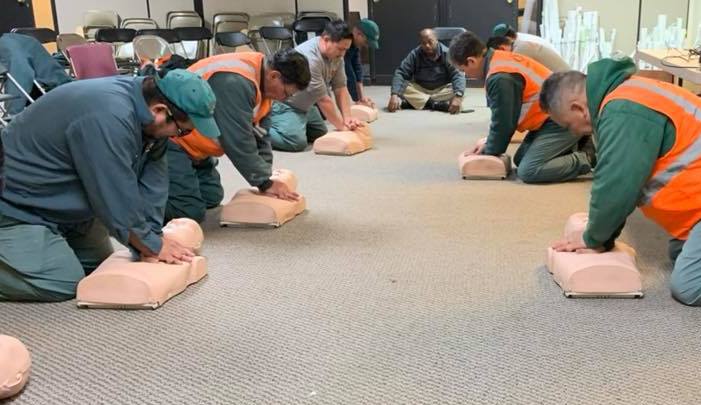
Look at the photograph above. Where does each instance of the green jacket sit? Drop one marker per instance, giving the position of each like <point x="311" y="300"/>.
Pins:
<point x="251" y="154"/>
<point x="629" y="139"/>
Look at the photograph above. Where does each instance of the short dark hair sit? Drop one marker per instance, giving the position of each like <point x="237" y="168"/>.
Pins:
<point x="337" y="31"/>
<point x="153" y="95"/>
<point x="496" y="42"/>
<point x="551" y="91"/>
<point x="293" y="67"/>
<point x="510" y="33"/>
<point x="464" y="46"/>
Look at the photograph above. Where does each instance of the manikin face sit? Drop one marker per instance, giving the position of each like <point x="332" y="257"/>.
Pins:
<point x="185" y="231"/>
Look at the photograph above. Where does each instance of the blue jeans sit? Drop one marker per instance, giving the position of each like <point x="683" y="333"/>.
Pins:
<point x="686" y="276"/>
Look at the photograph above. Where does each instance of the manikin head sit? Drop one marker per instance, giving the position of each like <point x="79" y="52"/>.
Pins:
<point x="285" y="73"/>
<point x="335" y="40"/>
<point x="429" y="43"/>
<point x="179" y="102"/>
<point x="185" y="231"/>
<point x="467" y="54"/>
<point x="564" y="97"/>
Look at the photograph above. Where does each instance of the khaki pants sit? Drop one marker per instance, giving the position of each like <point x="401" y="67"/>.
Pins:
<point x="418" y="96"/>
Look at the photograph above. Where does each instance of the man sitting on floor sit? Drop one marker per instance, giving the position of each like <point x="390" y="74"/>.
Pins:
<point x="296" y="122"/>
<point x="427" y="80"/>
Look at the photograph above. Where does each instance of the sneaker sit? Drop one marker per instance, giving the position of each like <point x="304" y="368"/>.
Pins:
<point x="406" y="106"/>
<point x="437" y="105"/>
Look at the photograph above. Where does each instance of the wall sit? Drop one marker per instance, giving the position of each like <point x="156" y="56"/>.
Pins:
<point x="70" y="12"/>
<point x="619" y="14"/>
<point x="360" y="6"/>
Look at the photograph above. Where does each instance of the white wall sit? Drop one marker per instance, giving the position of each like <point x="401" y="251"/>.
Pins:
<point x="70" y="12"/>
<point x="360" y="6"/>
<point x="619" y="14"/>
<point x="694" y="18"/>
<point x="160" y="8"/>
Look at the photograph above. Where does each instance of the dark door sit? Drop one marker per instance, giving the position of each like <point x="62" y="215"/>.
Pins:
<point x="14" y="14"/>
<point x="400" y="22"/>
<point x="479" y="16"/>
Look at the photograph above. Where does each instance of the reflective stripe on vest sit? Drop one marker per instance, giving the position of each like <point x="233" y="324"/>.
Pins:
<point x="531" y="117"/>
<point x="223" y="65"/>
<point x="693" y="152"/>
<point x="672" y="194"/>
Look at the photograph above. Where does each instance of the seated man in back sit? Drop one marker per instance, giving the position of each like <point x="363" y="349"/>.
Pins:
<point x="504" y="37"/>
<point x="296" y="122"/>
<point x="427" y="80"/>
<point x="245" y="84"/>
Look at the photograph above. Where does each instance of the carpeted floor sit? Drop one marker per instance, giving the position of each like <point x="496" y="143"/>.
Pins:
<point x="402" y="284"/>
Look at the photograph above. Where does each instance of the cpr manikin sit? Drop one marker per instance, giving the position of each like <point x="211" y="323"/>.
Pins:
<point x="484" y="167"/>
<point x="15" y="365"/>
<point x="344" y="143"/>
<point x="363" y="113"/>
<point x="252" y="208"/>
<point x="120" y="282"/>
<point x="609" y="274"/>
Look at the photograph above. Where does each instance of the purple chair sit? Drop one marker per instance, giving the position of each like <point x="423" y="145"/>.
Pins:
<point x="92" y="60"/>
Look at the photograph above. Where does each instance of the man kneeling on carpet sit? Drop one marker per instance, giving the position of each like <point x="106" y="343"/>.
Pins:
<point x="549" y="153"/>
<point x="294" y="124"/>
<point x="245" y="84"/>
<point x="649" y="154"/>
<point x="86" y="162"/>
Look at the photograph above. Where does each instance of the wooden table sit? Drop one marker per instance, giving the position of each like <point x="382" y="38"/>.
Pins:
<point x="678" y="62"/>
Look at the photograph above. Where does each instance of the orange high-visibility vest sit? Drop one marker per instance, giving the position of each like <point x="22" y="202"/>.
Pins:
<point x="672" y="195"/>
<point x="534" y="74"/>
<point x="246" y="64"/>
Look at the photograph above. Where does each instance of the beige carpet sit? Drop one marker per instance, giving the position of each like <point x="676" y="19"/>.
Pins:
<point x="401" y="284"/>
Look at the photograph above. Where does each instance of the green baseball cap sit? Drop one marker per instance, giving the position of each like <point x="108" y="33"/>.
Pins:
<point x="371" y="31"/>
<point x="500" y="30"/>
<point x="192" y="94"/>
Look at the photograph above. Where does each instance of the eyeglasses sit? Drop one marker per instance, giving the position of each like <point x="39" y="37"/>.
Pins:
<point x="181" y="131"/>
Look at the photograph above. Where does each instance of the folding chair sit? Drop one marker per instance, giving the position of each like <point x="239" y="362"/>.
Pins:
<point x="5" y="76"/>
<point x="139" y="23"/>
<point x="229" y="41"/>
<point x="230" y="22"/>
<point x="170" y="36"/>
<point x="309" y="27"/>
<point x="92" y="60"/>
<point x="200" y="36"/>
<point x="282" y="35"/>
<point x="151" y="47"/>
<point x="121" y="41"/>
<point x="43" y="35"/>
<point x="96" y="19"/>
<point x="446" y="34"/>
<point x="181" y="19"/>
